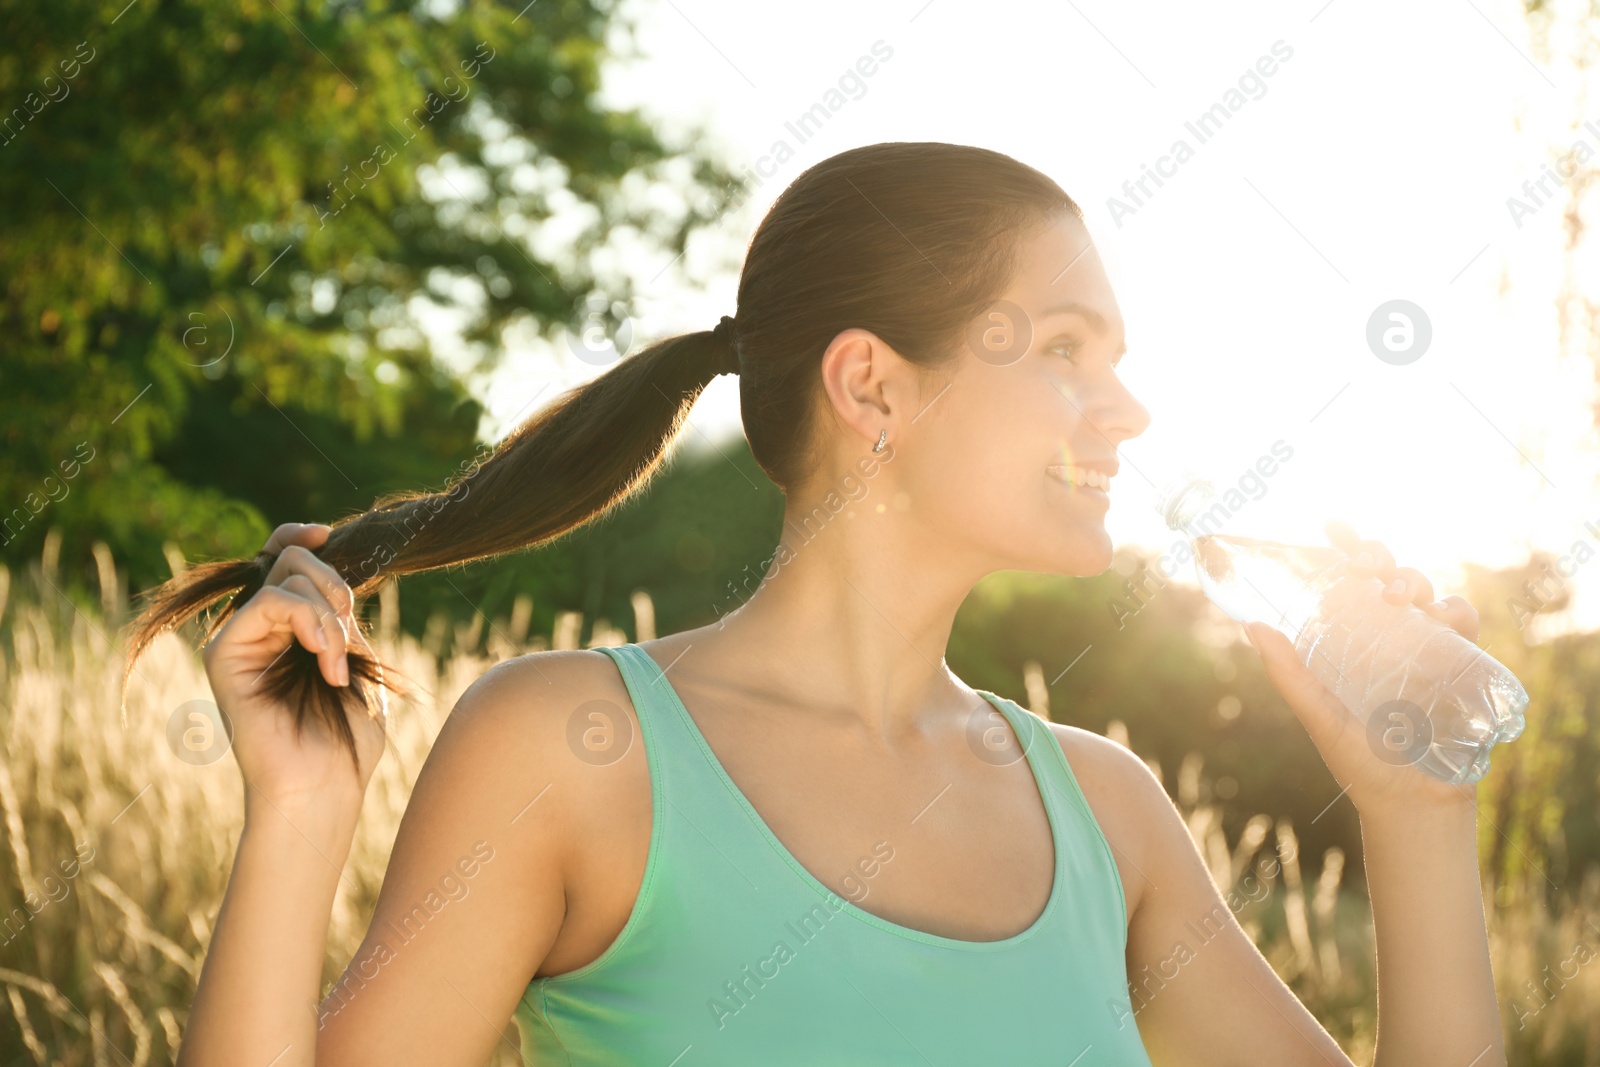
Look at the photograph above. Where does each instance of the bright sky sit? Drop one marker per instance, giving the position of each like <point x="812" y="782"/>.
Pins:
<point x="1373" y="164"/>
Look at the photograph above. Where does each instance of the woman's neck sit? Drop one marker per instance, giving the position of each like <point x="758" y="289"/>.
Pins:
<point x="858" y="609"/>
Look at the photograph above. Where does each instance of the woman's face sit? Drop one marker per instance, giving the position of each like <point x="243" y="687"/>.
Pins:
<point x="1034" y="405"/>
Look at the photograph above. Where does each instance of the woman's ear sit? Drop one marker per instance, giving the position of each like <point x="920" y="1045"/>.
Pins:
<point x="859" y="372"/>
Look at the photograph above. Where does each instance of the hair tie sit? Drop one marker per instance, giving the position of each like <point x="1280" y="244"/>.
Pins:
<point x="724" y="335"/>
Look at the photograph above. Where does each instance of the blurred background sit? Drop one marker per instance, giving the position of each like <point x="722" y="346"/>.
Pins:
<point x="267" y="261"/>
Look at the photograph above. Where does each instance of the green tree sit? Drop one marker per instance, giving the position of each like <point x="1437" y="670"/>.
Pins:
<point x="219" y="218"/>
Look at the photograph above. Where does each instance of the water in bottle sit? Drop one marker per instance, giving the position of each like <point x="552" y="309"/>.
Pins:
<point x="1426" y="695"/>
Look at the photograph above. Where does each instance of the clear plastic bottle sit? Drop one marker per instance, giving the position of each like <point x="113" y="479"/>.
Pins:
<point x="1426" y="695"/>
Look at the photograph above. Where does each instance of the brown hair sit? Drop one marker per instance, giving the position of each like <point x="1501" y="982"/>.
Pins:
<point x="908" y="240"/>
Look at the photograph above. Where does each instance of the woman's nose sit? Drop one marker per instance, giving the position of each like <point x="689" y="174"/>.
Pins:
<point x="1116" y="411"/>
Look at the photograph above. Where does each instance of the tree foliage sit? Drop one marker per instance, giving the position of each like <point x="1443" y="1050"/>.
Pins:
<point x="224" y="223"/>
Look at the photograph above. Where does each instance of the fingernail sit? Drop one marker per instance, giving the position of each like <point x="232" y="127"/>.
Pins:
<point x="1396" y="587"/>
<point x="343" y="670"/>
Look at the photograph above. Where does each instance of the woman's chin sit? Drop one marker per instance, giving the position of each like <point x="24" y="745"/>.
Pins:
<point x="1086" y="554"/>
<point x="1087" y="565"/>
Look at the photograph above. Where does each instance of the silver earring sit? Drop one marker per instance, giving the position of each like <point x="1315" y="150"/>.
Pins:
<point x="883" y="439"/>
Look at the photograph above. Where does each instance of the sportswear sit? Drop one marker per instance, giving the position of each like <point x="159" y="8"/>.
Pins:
<point x="734" y="954"/>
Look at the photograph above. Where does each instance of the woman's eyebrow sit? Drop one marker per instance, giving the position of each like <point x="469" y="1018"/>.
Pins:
<point x="1090" y="315"/>
<point x="1096" y="321"/>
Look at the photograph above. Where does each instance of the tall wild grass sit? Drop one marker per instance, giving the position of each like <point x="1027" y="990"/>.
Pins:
<point x="116" y="852"/>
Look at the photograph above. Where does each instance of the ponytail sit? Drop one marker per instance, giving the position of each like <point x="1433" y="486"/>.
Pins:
<point x="576" y="459"/>
<point x="825" y="258"/>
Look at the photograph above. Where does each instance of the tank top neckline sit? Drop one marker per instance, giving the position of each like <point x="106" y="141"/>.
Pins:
<point x="1031" y="736"/>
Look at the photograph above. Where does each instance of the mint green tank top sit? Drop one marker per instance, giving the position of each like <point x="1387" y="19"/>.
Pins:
<point x="734" y="954"/>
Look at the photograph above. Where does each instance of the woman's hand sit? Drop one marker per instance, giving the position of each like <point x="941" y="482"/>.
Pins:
<point x="1377" y="786"/>
<point x="304" y="600"/>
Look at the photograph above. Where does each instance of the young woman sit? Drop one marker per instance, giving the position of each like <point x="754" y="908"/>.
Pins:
<point x="793" y="835"/>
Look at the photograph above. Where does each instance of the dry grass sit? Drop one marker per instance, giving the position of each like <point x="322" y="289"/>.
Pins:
<point x="124" y="851"/>
<point x="104" y="972"/>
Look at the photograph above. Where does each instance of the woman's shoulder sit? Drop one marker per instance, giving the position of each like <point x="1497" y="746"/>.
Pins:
<point x="503" y="782"/>
<point x="1127" y="799"/>
<point x="537" y="688"/>
<point x="542" y="720"/>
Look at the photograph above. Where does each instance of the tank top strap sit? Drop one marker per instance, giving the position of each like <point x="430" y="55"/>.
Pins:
<point x="1063" y="795"/>
<point x="640" y="673"/>
<point x="652" y="700"/>
<point x="671" y="742"/>
<point x="688" y="783"/>
<point x="701" y="825"/>
<point x="733" y="951"/>
<point x="678" y="769"/>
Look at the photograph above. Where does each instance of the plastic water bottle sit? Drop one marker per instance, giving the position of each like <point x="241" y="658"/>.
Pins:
<point x="1427" y="696"/>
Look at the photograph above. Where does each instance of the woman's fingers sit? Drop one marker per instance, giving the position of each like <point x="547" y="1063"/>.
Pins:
<point x="299" y="570"/>
<point x="330" y="643"/>
<point x="1371" y="557"/>
<point x="296" y="533"/>
<point x="1411" y="586"/>
<point x="1403" y="585"/>
<point x="1362" y="558"/>
<point x="1457" y="613"/>
<point x="1366" y="557"/>
<point x="272" y="613"/>
<point x="297" y="559"/>
<point x="1318" y="710"/>
<point x="1341" y="534"/>
<point x="1408" y="585"/>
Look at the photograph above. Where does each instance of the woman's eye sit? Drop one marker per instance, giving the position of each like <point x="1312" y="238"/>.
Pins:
<point x="1071" y="349"/>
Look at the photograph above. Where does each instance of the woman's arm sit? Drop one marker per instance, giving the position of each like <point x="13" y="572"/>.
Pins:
<point x="472" y="900"/>
<point x="263" y="969"/>
<point x="1201" y="991"/>
<point x="302" y="798"/>
<point x="1436" y="998"/>
<point x="476" y="890"/>
<point x="1202" y="994"/>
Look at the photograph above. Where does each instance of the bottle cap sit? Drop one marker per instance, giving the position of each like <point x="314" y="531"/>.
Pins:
<point x="1184" y="498"/>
